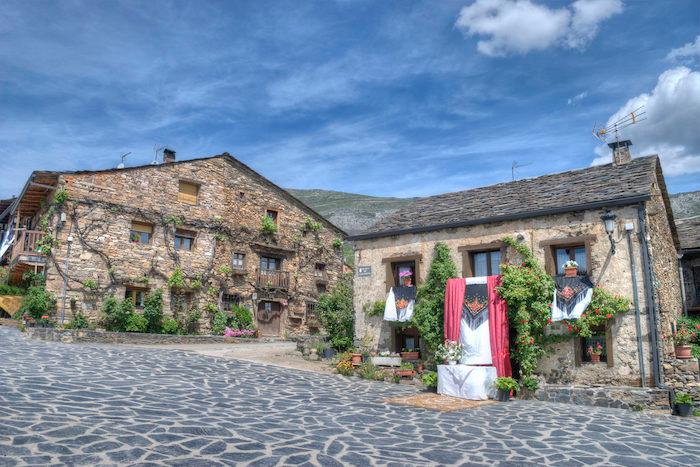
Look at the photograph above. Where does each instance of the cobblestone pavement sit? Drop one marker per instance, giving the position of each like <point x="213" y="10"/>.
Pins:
<point x="89" y="404"/>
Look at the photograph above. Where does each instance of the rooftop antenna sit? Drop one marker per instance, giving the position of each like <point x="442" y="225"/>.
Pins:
<point x="156" y="150"/>
<point x="514" y="166"/>
<point x="602" y="134"/>
<point x="123" y="156"/>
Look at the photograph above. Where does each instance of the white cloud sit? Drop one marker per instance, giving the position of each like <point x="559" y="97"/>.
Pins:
<point x="671" y="127"/>
<point x="577" y="98"/>
<point x="689" y="53"/>
<point x="520" y="26"/>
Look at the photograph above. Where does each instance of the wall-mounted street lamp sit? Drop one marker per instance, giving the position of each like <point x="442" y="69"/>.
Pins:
<point x="608" y="219"/>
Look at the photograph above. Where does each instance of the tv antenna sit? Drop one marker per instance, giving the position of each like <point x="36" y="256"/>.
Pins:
<point x="514" y="166"/>
<point x="123" y="156"/>
<point x="156" y="150"/>
<point x="603" y="133"/>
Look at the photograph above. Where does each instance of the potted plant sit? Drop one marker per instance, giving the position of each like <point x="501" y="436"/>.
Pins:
<point x="387" y="358"/>
<point x="430" y="381"/>
<point x="528" y="386"/>
<point x="406" y="278"/>
<point x="410" y="354"/>
<point x="406" y="369"/>
<point x="505" y="385"/>
<point x="450" y="351"/>
<point x="682" y="338"/>
<point x="595" y="351"/>
<point x="356" y="357"/>
<point x="571" y="268"/>
<point x="683" y="404"/>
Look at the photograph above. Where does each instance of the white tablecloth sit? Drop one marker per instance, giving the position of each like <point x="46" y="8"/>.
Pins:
<point x="467" y="381"/>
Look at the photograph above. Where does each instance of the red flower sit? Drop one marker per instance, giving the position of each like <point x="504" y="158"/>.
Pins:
<point x="549" y="320"/>
<point x="571" y="328"/>
<point x="609" y="316"/>
<point x="532" y="340"/>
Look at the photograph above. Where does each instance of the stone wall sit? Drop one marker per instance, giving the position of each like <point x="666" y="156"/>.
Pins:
<point x="683" y="375"/>
<point x="612" y="272"/>
<point x="226" y="218"/>
<point x="692" y="294"/>
<point x="617" y="397"/>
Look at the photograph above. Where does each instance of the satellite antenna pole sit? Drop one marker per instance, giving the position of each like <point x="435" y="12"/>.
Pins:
<point x="123" y="156"/>
<point x="514" y="166"/>
<point x="156" y="150"/>
<point x="632" y="118"/>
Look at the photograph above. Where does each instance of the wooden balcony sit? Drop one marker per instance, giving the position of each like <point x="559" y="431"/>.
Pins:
<point x="26" y="254"/>
<point x="272" y="279"/>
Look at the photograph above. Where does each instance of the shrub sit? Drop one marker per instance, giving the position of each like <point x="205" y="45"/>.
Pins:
<point x="367" y="370"/>
<point x="190" y="324"/>
<point x="153" y="311"/>
<point x="177" y="279"/>
<point x="219" y="323"/>
<point x="311" y="225"/>
<point x="335" y="313"/>
<point x="60" y="197"/>
<point x="375" y="308"/>
<point x="170" y="326"/>
<point x="429" y="311"/>
<point x="530" y="383"/>
<point x="136" y="323"/>
<point x="337" y="243"/>
<point x="79" y="321"/>
<point x="11" y="290"/>
<point x="345" y="368"/>
<point x="267" y="225"/>
<point x="116" y="314"/>
<point x="506" y="383"/>
<point x="37" y="302"/>
<point x="243" y="317"/>
<point x="430" y="379"/>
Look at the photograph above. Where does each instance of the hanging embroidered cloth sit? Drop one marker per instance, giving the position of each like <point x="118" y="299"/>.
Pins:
<point x="474" y="333"/>
<point x="399" y="304"/>
<point x="476" y="303"/>
<point x="572" y="295"/>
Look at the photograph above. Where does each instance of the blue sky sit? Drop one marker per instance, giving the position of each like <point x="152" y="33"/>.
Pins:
<point x="393" y="98"/>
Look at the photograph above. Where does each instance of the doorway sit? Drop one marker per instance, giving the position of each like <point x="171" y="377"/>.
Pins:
<point x="269" y="318"/>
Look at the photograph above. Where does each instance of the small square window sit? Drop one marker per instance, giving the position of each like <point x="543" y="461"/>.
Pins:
<point x="272" y="214"/>
<point x="140" y="232"/>
<point x="268" y="263"/>
<point x="188" y="192"/>
<point x="576" y="253"/>
<point x="595" y="343"/>
<point x="321" y="288"/>
<point x="229" y="300"/>
<point x="320" y="271"/>
<point x="184" y="240"/>
<point x="238" y="261"/>
<point x="486" y="263"/>
<point x="137" y="296"/>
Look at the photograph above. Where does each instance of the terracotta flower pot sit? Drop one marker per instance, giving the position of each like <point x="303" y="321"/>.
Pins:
<point x="406" y="356"/>
<point x="570" y="272"/>
<point x="683" y="352"/>
<point x="403" y="373"/>
<point x="356" y="358"/>
<point x="595" y="358"/>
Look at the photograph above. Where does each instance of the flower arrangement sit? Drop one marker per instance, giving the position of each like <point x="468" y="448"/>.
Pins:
<point x="571" y="264"/>
<point x="450" y="351"/>
<point x="595" y="350"/>
<point x="228" y="332"/>
<point x="386" y="353"/>
<point x="604" y="306"/>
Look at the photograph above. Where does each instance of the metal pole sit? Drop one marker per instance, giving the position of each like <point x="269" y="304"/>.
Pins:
<point x="637" y="317"/>
<point x="69" y="240"/>
<point x="682" y="278"/>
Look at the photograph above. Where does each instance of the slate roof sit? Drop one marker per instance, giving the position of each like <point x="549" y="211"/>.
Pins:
<point x="589" y="188"/>
<point x="689" y="233"/>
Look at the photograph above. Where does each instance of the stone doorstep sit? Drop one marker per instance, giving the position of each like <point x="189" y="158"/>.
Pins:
<point x="625" y="397"/>
<point x="108" y="337"/>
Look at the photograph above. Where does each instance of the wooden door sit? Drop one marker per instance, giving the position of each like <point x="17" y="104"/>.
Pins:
<point x="269" y="317"/>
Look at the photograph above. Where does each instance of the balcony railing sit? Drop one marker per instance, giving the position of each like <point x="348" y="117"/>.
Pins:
<point x="27" y="244"/>
<point x="272" y="279"/>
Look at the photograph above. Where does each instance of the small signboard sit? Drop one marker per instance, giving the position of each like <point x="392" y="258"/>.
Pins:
<point x="364" y="271"/>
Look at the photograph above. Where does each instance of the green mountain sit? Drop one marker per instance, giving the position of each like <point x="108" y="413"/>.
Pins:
<point x="686" y="204"/>
<point x="351" y="212"/>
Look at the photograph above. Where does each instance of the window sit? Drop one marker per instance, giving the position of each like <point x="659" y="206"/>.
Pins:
<point x="184" y="240"/>
<point x="140" y="232"/>
<point x="576" y="253"/>
<point x="272" y="214"/>
<point x="188" y="192"/>
<point x="229" y="300"/>
<point x="320" y="271"/>
<point x="486" y="263"/>
<point x="597" y="338"/>
<point x="268" y="263"/>
<point x="321" y="288"/>
<point x="408" y="265"/>
<point x="310" y="311"/>
<point x="238" y="261"/>
<point x="137" y="296"/>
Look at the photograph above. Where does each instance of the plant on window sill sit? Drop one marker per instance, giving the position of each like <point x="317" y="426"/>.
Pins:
<point x="268" y="226"/>
<point x="177" y="279"/>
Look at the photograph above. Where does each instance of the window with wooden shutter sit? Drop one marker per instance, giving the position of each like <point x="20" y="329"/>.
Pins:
<point x="184" y="239"/>
<point x="188" y="192"/>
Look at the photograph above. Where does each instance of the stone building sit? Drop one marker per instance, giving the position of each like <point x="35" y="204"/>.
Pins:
<point x="133" y="230"/>
<point x="689" y="235"/>
<point x="558" y="217"/>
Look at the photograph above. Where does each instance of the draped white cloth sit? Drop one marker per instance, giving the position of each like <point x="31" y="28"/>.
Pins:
<point x="467" y="382"/>
<point x="559" y="314"/>
<point x="476" y="342"/>
<point x="7" y="238"/>
<point x="391" y="313"/>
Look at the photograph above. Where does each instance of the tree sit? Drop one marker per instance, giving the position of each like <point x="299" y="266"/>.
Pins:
<point x="336" y="314"/>
<point x="429" y="311"/>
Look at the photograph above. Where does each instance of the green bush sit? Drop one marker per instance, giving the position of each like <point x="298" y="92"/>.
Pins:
<point x="683" y="398"/>
<point x="367" y="371"/>
<point x="506" y="383"/>
<point x="243" y="317"/>
<point x="79" y="322"/>
<point x="116" y="313"/>
<point x="336" y="315"/>
<point x="153" y="311"/>
<point x="190" y="324"/>
<point x="177" y="279"/>
<point x="136" y="323"/>
<point x="429" y="311"/>
<point x="170" y="326"/>
<point x="267" y="225"/>
<point x="219" y="323"/>
<point x="37" y="303"/>
<point x="11" y="290"/>
<point x="530" y="383"/>
<point x="430" y="379"/>
<point x="374" y="308"/>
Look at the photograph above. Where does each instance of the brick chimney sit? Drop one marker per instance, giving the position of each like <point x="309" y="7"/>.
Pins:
<point x="621" y="151"/>
<point x="168" y="156"/>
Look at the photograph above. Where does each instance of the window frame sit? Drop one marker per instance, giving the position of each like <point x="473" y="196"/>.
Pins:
<point x="182" y="197"/>
<point x="184" y="233"/>
<point x="276" y="217"/>
<point x="550" y="246"/>
<point x="242" y="259"/>
<point x="604" y="330"/>
<point x="389" y="262"/>
<point x="236" y="301"/>
<point x="278" y="262"/>
<point x="134" y="292"/>
<point x="133" y="231"/>
<point x="468" y="251"/>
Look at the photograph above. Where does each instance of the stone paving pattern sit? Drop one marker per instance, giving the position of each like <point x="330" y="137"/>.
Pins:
<point x="96" y="405"/>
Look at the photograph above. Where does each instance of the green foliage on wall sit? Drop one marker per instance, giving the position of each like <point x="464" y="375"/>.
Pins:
<point x="374" y="308"/>
<point x="335" y="313"/>
<point x="267" y="225"/>
<point x="37" y="302"/>
<point x="429" y="311"/>
<point x="177" y="279"/>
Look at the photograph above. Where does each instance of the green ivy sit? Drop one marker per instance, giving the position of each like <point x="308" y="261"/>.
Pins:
<point x="267" y="225"/>
<point x="153" y="311"/>
<point x="429" y="310"/>
<point x="90" y="284"/>
<point x="604" y="306"/>
<point x="336" y="315"/>
<point x="177" y="279"/>
<point x="60" y="197"/>
<point x="375" y="308"/>
<point x="311" y="225"/>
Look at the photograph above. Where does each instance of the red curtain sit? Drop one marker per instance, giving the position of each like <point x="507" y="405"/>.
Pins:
<point x="498" y="328"/>
<point x="454" y="297"/>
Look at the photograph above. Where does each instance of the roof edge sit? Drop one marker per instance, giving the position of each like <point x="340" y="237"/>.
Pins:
<point x="510" y="217"/>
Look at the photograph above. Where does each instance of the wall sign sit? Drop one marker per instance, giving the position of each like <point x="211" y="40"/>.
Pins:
<point x="364" y="271"/>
